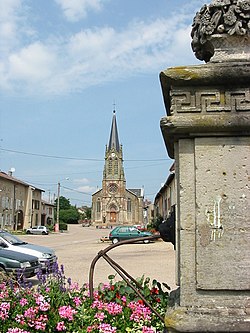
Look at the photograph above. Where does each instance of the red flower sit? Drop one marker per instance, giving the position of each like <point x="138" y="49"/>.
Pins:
<point x="154" y="290"/>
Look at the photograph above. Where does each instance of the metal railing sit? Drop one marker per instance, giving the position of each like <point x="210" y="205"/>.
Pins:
<point x="121" y="271"/>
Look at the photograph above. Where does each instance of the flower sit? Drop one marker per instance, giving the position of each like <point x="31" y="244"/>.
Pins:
<point x="114" y="308"/>
<point x="60" y="326"/>
<point x="67" y="312"/>
<point x="4" y="310"/>
<point x="46" y="308"/>
<point x="23" y="301"/>
<point x="106" y="328"/>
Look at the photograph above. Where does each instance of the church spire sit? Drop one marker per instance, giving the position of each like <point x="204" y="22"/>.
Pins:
<point x="113" y="139"/>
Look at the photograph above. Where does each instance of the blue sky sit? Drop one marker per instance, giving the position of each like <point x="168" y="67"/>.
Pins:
<point x="63" y="65"/>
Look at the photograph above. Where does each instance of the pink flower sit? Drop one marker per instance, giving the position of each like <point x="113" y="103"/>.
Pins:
<point x="23" y="301"/>
<point x="30" y="313"/>
<point x="16" y="330"/>
<point x="4" y="310"/>
<point x="106" y="328"/>
<point x="114" y="308"/>
<point x="146" y="329"/>
<point x="139" y="312"/>
<point x="67" y="312"/>
<point x="45" y="306"/>
<point x="20" y="319"/>
<point x="60" y="326"/>
<point x="100" y="316"/>
<point x="124" y="299"/>
<point x="98" y="304"/>
<point x="77" y="301"/>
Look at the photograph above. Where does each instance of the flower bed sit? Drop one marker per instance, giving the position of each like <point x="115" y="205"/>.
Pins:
<point x="58" y="305"/>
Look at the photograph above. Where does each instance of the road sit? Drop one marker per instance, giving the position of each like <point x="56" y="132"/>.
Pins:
<point x="77" y="247"/>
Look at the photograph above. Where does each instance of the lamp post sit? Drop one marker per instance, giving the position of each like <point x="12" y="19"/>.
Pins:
<point x="58" y="206"/>
<point x="57" y="210"/>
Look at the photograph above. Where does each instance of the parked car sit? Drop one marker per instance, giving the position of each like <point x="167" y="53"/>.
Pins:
<point x="12" y="262"/>
<point x="127" y="232"/>
<point x="45" y="255"/>
<point x="139" y="227"/>
<point x="38" y="230"/>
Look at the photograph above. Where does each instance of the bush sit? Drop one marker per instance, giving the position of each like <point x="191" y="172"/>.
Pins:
<point x="155" y="223"/>
<point x="58" y="305"/>
<point x="63" y="226"/>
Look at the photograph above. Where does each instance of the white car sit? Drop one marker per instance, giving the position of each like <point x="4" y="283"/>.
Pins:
<point x="45" y="255"/>
<point x="38" y="230"/>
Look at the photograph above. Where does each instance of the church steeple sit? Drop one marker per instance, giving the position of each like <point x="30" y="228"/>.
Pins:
<point x="113" y="139"/>
<point x="113" y="169"/>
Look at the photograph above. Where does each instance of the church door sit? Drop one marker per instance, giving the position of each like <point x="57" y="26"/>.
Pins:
<point x="112" y="217"/>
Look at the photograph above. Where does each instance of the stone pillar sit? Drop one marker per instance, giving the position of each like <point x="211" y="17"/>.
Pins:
<point x="207" y="132"/>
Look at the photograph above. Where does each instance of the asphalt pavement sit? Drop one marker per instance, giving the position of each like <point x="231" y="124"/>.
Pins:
<point x="77" y="248"/>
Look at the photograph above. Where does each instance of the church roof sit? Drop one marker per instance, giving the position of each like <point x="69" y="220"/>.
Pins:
<point x="113" y="139"/>
<point x="137" y="191"/>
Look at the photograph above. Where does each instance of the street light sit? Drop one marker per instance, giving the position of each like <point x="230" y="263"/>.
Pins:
<point x="58" y="206"/>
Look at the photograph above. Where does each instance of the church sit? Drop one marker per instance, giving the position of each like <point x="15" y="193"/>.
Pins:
<point x="114" y="204"/>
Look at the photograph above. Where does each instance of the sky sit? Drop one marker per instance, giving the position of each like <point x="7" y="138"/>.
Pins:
<point x="65" y="65"/>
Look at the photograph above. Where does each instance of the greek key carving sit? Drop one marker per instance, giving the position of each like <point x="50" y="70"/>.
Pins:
<point x="210" y="101"/>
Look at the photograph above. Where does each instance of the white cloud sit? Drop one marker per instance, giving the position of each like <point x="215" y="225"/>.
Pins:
<point x="94" y="56"/>
<point x="9" y="11"/>
<point x="81" y="180"/>
<point x="86" y="189"/>
<point x="33" y="63"/>
<point x="75" y="10"/>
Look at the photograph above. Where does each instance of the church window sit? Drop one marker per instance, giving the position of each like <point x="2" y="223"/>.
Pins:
<point x="116" y="166"/>
<point x="129" y="206"/>
<point x="98" y="206"/>
<point x="113" y="188"/>
<point x="110" y="166"/>
<point x="113" y="208"/>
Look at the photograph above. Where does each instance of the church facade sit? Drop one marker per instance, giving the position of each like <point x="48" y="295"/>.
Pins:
<point x="114" y="204"/>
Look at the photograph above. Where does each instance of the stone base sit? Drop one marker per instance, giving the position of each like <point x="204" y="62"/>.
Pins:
<point x="216" y="319"/>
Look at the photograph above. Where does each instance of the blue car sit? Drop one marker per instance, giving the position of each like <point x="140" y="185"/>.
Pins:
<point x="127" y="232"/>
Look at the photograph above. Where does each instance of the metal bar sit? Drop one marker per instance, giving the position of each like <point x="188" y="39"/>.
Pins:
<point x="123" y="276"/>
<point x="99" y="255"/>
<point x="121" y="271"/>
<point x="110" y="260"/>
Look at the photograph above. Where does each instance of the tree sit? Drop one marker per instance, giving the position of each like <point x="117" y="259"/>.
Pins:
<point x="69" y="216"/>
<point x="63" y="203"/>
<point x="88" y="213"/>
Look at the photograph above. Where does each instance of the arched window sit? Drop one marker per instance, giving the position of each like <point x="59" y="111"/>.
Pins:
<point x="116" y="166"/>
<point x="98" y="206"/>
<point x="110" y="166"/>
<point x="113" y="207"/>
<point x="129" y="206"/>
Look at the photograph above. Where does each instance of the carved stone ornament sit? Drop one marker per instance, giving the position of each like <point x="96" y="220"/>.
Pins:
<point x="223" y="27"/>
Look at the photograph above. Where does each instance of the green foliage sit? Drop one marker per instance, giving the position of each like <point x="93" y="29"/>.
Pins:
<point x="57" y="304"/>
<point x="70" y="216"/>
<point x="155" y="223"/>
<point x="88" y="213"/>
<point x="67" y="212"/>
<point x="63" y="203"/>
<point x="63" y="226"/>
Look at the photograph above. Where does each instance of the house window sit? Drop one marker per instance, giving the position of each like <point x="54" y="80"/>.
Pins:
<point x="35" y="204"/>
